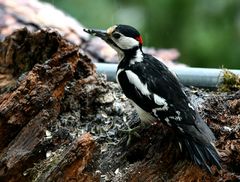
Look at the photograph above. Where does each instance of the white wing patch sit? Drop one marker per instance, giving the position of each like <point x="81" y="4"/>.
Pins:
<point x="190" y="105"/>
<point x="161" y="102"/>
<point x="180" y="146"/>
<point x="180" y="129"/>
<point x="176" y="118"/>
<point x="134" y="79"/>
<point x="168" y="121"/>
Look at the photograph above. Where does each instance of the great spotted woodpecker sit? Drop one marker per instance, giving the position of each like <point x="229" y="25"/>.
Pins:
<point x="157" y="94"/>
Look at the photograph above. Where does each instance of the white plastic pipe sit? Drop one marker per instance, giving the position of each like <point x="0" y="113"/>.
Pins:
<point x="188" y="76"/>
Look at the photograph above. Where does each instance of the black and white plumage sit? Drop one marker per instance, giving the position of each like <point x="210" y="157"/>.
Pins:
<point x="157" y="94"/>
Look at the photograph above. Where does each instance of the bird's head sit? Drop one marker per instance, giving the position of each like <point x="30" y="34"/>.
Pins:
<point x="122" y="38"/>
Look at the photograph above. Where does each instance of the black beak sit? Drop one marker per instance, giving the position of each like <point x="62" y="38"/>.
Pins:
<point x="99" y="33"/>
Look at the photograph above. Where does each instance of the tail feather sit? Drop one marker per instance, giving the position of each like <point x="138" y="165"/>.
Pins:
<point x="214" y="156"/>
<point x="204" y="155"/>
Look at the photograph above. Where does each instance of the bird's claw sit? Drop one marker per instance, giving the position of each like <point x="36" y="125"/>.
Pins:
<point x="131" y="132"/>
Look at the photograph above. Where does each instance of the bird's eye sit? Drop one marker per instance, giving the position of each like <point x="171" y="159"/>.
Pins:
<point x="116" y="35"/>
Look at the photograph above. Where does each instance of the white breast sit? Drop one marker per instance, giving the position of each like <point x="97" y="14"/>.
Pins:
<point x="144" y="116"/>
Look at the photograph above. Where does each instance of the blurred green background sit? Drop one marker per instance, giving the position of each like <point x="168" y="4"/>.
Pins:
<point x="206" y="32"/>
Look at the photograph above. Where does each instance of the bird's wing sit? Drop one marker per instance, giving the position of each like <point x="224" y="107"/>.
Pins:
<point x="156" y="90"/>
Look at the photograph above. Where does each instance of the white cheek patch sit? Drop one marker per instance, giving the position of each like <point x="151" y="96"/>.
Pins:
<point x="134" y="79"/>
<point x="126" y="42"/>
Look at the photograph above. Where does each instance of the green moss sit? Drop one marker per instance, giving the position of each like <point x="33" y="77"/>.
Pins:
<point x="231" y="82"/>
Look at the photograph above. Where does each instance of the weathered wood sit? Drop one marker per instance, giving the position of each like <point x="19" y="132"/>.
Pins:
<point x="34" y="103"/>
<point x="71" y="165"/>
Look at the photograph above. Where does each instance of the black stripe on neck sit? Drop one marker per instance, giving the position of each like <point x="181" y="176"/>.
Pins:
<point x="130" y="53"/>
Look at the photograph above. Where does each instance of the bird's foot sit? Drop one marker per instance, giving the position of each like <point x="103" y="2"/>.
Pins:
<point x="132" y="132"/>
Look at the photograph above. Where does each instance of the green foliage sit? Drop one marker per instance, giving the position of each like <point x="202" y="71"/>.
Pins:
<point x="207" y="32"/>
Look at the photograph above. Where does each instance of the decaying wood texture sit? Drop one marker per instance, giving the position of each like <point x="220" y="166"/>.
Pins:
<point x="71" y="164"/>
<point x="34" y="103"/>
<point x="60" y="121"/>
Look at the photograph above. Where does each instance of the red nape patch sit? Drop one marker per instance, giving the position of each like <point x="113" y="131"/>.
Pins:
<point x="139" y="39"/>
